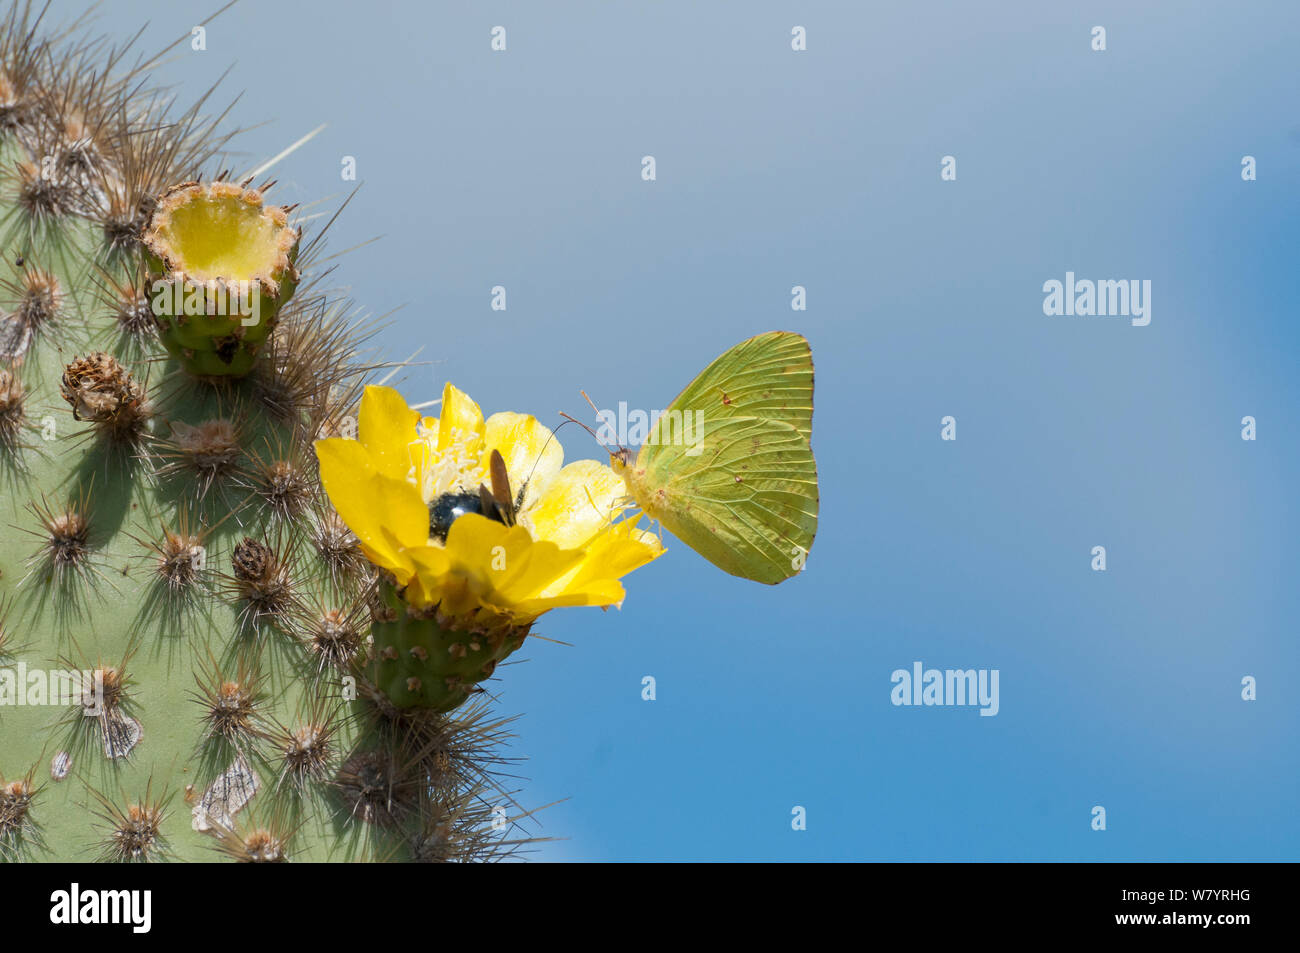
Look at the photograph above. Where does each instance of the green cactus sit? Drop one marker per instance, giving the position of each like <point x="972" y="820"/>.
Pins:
<point x="163" y="530"/>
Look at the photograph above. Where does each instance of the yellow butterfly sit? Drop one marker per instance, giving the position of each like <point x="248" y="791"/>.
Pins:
<point x="729" y="468"/>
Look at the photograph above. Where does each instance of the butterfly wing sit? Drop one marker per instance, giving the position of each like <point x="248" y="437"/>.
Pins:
<point x="768" y="376"/>
<point x="741" y="490"/>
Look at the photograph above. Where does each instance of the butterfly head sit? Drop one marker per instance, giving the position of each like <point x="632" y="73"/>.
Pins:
<point x="620" y="460"/>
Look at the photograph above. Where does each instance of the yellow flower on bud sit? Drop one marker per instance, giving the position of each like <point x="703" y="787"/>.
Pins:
<point x="417" y="492"/>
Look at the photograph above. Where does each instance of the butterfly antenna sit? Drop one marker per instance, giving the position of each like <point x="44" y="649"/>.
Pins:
<point x="597" y="412"/>
<point x="574" y="420"/>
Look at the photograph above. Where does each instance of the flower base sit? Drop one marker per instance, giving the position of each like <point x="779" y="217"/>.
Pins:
<point x="424" y="659"/>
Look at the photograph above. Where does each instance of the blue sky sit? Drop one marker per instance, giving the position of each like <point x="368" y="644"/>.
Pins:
<point x="821" y="168"/>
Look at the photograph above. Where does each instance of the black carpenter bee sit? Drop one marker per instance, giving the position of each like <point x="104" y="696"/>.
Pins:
<point x="496" y="504"/>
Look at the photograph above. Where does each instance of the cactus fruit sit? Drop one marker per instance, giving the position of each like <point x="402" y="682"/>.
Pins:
<point x="185" y="620"/>
<point x="222" y="262"/>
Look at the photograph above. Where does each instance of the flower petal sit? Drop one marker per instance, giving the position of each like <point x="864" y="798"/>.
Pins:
<point x="607" y="592"/>
<point x="506" y="560"/>
<point x="580" y="501"/>
<point x="529" y="448"/>
<point x="612" y="554"/>
<point x="430" y="570"/>
<point x="386" y="429"/>
<point x="386" y="515"/>
<point x="460" y="420"/>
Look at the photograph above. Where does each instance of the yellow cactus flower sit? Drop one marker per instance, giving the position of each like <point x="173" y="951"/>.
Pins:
<point x="417" y="492"/>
